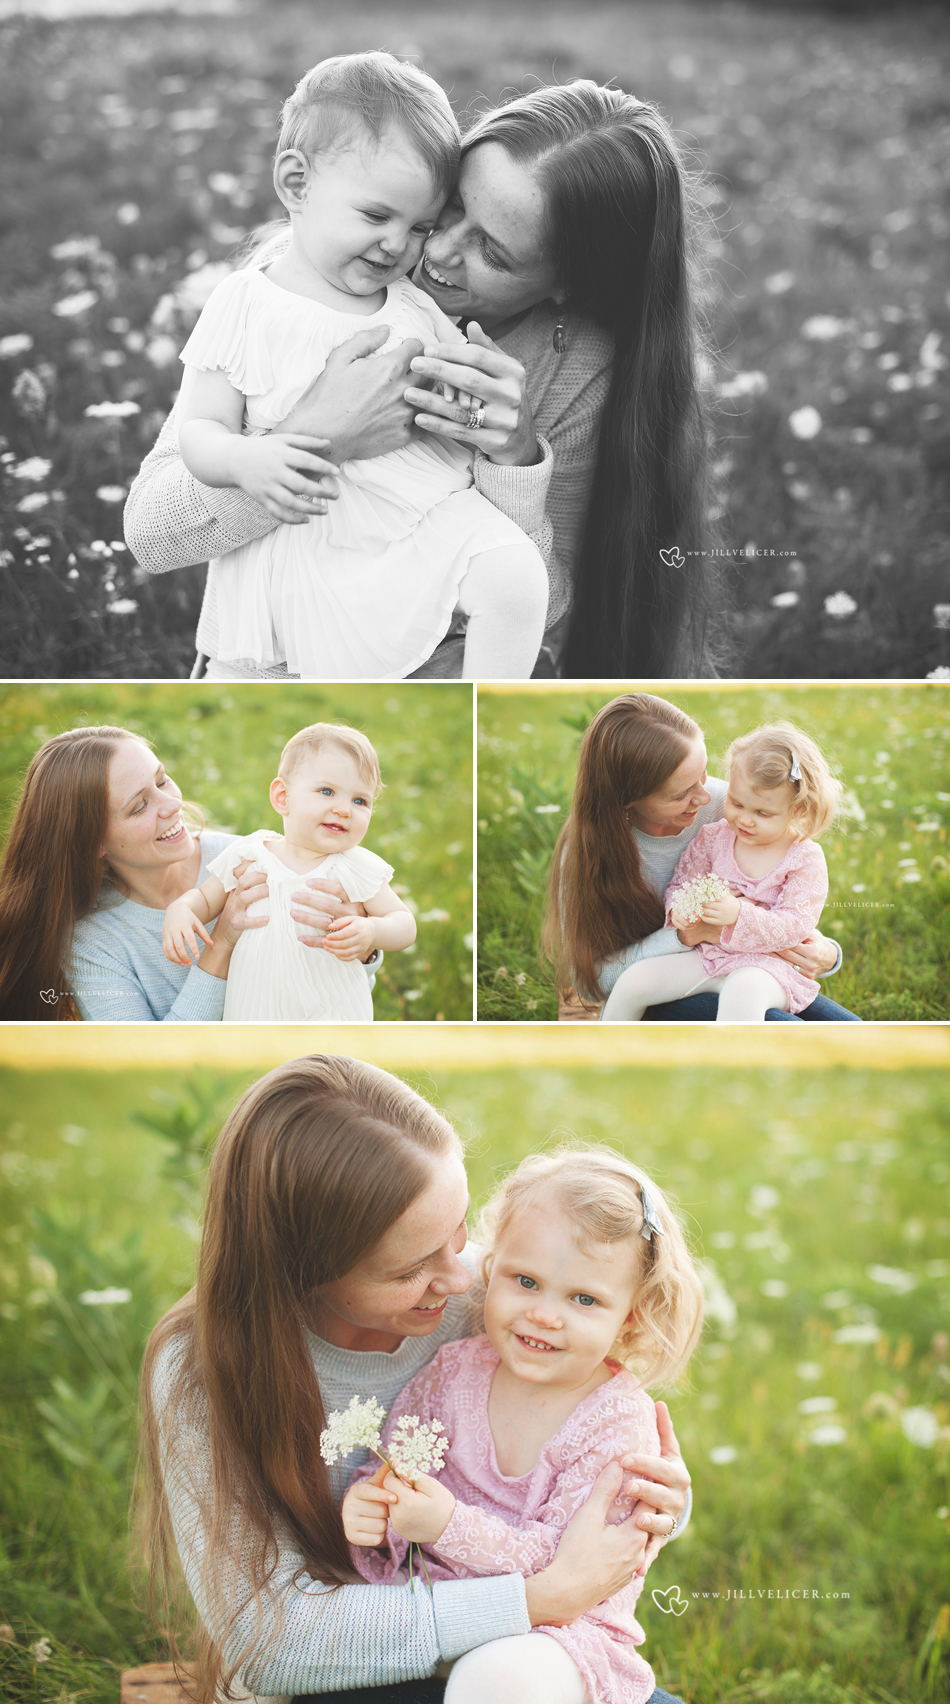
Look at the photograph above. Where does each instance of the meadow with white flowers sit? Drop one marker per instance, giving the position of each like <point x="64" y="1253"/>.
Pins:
<point x="137" y="156"/>
<point x="815" y="1423"/>
<point x="889" y="895"/>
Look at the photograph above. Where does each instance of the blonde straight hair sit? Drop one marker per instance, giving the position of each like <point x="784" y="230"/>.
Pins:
<point x="768" y="756"/>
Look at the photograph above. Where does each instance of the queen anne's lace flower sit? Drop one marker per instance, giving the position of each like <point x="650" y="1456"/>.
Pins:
<point x="416" y="1448"/>
<point x="689" y="903"/>
<point x="356" y="1427"/>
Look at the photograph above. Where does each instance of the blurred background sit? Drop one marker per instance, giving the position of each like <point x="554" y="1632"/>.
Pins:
<point x="813" y="1180"/>
<point x="136" y="155"/>
<point x="222" y="745"/>
<point x="889" y="896"/>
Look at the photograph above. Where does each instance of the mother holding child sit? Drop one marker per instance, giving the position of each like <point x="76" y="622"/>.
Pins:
<point x="513" y="433"/>
<point x="334" y="1282"/>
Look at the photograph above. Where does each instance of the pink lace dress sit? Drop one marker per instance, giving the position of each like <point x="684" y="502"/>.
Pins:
<point x="502" y="1525"/>
<point x="778" y="910"/>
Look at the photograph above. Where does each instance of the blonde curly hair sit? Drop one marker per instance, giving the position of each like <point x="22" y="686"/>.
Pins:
<point x="600" y="1191"/>
<point x="768" y="756"/>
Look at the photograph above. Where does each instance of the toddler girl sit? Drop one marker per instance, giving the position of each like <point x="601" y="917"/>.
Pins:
<point x="326" y="783"/>
<point x="365" y="586"/>
<point x="780" y="794"/>
<point x="588" y="1277"/>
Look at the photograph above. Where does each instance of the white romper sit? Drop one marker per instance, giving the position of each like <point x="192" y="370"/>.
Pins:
<point x="273" y="977"/>
<point x="367" y="590"/>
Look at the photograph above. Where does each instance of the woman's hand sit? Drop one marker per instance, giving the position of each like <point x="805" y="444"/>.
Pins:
<point x="318" y="905"/>
<point x="477" y="373"/>
<point x="365" y="1510"/>
<point x="812" y="955"/>
<point x="251" y="886"/>
<point x="660" y="1486"/>
<point x="422" y="1511"/>
<point x="358" y="401"/>
<point x="592" y="1561"/>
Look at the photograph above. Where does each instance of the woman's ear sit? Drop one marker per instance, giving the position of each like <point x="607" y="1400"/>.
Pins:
<point x="292" y="178"/>
<point x="278" y="796"/>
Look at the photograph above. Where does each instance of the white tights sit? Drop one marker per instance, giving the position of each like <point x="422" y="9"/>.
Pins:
<point x="745" y="995"/>
<point x="530" y="1668"/>
<point x="504" y="593"/>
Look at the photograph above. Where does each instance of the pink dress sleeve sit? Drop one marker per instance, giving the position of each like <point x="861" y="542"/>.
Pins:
<point x="792" y="915"/>
<point x="697" y="860"/>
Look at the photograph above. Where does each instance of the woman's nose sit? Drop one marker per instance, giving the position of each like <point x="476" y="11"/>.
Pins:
<point x="443" y="245"/>
<point x="452" y="1282"/>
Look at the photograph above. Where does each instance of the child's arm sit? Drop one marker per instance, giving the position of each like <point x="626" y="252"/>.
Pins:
<point x="794" y="915"/>
<point x="184" y="919"/>
<point x="279" y="470"/>
<point x="389" y="924"/>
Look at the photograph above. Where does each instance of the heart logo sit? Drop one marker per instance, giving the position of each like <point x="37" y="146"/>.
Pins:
<point x="672" y="558"/>
<point x="49" y="995"/>
<point x="676" y="1603"/>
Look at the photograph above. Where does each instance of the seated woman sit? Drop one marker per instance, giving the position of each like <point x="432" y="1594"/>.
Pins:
<point x="641" y="796"/>
<point x="585" y="410"/>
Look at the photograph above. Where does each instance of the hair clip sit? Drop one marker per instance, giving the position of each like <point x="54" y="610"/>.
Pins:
<point x="651" y="1225"/>
<point x="795" y="773"/>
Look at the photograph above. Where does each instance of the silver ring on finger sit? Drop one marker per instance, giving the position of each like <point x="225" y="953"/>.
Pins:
<point x="675" y="1520"/>
<point x="476" y="418"/>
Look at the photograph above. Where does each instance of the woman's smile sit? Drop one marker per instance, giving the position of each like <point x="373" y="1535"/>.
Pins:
<point x="174" y="833"/>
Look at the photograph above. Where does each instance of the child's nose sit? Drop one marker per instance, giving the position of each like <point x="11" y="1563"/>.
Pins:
<point x="544" y="1314"/>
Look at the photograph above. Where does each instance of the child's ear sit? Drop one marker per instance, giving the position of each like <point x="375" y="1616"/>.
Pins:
<point x="292" y="178"/>
<point x="278" y="796"/>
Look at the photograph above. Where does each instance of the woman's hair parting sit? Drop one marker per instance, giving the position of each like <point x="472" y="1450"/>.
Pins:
<point x="779" y="753"/>
<point x="355" y="94"/>
<point x="604" y="1196"/>
<point x="309" y="742"/>
<point x="314" y="1164"/>
<point x="53" y="869"/>
<point x="599" y="898"/>
<point x="622" y="218"/>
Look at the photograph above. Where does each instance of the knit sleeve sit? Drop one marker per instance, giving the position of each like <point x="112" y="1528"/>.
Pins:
<point x="173" y="521"/>
<point x="107" y="991"/>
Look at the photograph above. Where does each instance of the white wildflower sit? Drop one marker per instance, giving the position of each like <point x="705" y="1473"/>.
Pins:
<point x="35" y="467"/>
<point x="893" y="1278"/>
<point x="692" y="898"/>
<point x="805" y="422"/>
<point x="122" y="606"/>
<point x="112" y="410"/>
<point x="104" y="1298"/>
<point x="817" y="1405"/>
<point x="356" y="1427"/>
<point x="436" y="916"/>
<point x="71" y="306"/>
<point x="809" y="1370"/>
<point x="839" y="605"/>
<point x="942" y="616"/>
<point x="111" y="493"/>
<point x="938" y="674"/>
<point x="779" y="283"/>
<point x="16" y="344"/>
<point x="76" y="248"/>
<point x="41" y="1651"/>
<point x="744" y="384"/>
<point x="828" y="1435"/>
<point x="821" y="328"/>
<point x="722" y="1455"/>
<point x="864" y="1332"/>
<point x="129" y="213"/>
<point x="416" y="1448"/>
<point x="920" y="1426"/>
<point x="548" y="810"/>
<point x="35" y="500"/>
<point x="784" y="600"/>
<point x="774" y="1287"/>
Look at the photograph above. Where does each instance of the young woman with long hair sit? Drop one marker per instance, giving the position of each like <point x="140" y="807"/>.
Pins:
<point x="567" y="255"/>
<point x="331" y="1266"/>
<point x="99" y="845"/>
<point x="641" y="796"/>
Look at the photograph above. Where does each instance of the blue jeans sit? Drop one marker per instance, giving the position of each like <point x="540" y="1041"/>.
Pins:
<point x="419" y="1692"/>
<point x="702" y="1009"/>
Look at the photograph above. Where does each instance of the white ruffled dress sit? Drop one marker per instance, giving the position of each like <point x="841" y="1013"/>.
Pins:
<point x="272" y="977"/>
<point x="367" y="590"/>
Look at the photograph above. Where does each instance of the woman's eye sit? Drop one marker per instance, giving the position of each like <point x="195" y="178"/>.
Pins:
<point x="586" y="1301"/>
<point x="527" y="1283"/>
<point x="490" y="260"/>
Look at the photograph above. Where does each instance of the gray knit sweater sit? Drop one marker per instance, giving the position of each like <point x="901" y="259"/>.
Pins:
<point x="172" y="521"/>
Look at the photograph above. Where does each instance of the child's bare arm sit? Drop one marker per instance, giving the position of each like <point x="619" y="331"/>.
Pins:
<point x="389" y="924"/>
<point x="279" y="470"/>
<point x="185" y="919"/>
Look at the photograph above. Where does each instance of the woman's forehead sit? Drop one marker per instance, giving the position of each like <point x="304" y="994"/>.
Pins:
<point x="689" y="771"/>
<point x="131" y="767"/>
<point x="505" y="199"/>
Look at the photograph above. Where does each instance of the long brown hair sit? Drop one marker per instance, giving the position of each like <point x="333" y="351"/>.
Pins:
<point x="622" y="218"/>
<point x="599" y="898"/>
<point x="52" y="870"/>
<point x="314" y="1164"/>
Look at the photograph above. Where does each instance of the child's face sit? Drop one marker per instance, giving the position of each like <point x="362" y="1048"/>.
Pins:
<point x="326" y="804"/>
<point x="554" y="1308"/>
<point x="367" y="212"/>
<point x="758" y="816"/>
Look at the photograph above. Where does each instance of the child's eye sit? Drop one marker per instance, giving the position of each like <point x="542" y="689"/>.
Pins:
<point x="526" y="1283"/>
<point x="586" y="1301"/>
<point x="359" y="801"/>
<point x="328" y="791"/>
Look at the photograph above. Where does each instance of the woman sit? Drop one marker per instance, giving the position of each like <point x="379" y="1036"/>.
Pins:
<point x="331" y="1267"/>
<point x="642" y="794"/>
<point x="566" y="254"/>
<point x="100" y="844"/>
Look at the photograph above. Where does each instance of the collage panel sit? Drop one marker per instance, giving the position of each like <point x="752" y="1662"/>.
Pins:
<point x="121" y="800"/>
<point x="818" y="812"/>
<point x="795" y="1185"/>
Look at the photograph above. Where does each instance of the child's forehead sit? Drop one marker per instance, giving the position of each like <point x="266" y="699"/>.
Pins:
<point x="739" y="775"/>
<point x="385" y="159"/>
<point x="329" y="760"/>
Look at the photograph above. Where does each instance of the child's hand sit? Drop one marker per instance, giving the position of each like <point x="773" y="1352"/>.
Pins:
<point x="722" y="911"/>
<point x="350" y="938"/>
<point x="366" y="1510"/>
<point x="423" y="1511"/>
<point x="283" y="473"/>
<point x="178" y="934"/>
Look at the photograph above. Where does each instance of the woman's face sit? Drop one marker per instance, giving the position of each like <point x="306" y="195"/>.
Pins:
<point x="145" y="830"/>
<point x="401" y="1286"/>
<point x="485" y="258"/>
<point x="675" y="804"/>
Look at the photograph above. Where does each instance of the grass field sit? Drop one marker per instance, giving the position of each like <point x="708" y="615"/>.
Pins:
<point x="222" y="747"/>
<point x="815" y="1424"/>
<point x="136" y="155"/>
<point x="889" y="898"/>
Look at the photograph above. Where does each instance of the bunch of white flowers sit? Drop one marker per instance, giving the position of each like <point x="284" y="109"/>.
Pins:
<point x="416" y="1448"/>
<point x="356" y="1427"/>
<point x="413" y="1449"/>
<point x="689" y="903"/>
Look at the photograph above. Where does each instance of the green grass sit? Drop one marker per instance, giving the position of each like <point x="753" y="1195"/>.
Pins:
<point x="823" y="140"/>
<point x="802" y="1190"/>
<point x="889" y="897"/>
<point x="222" y="746"/>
